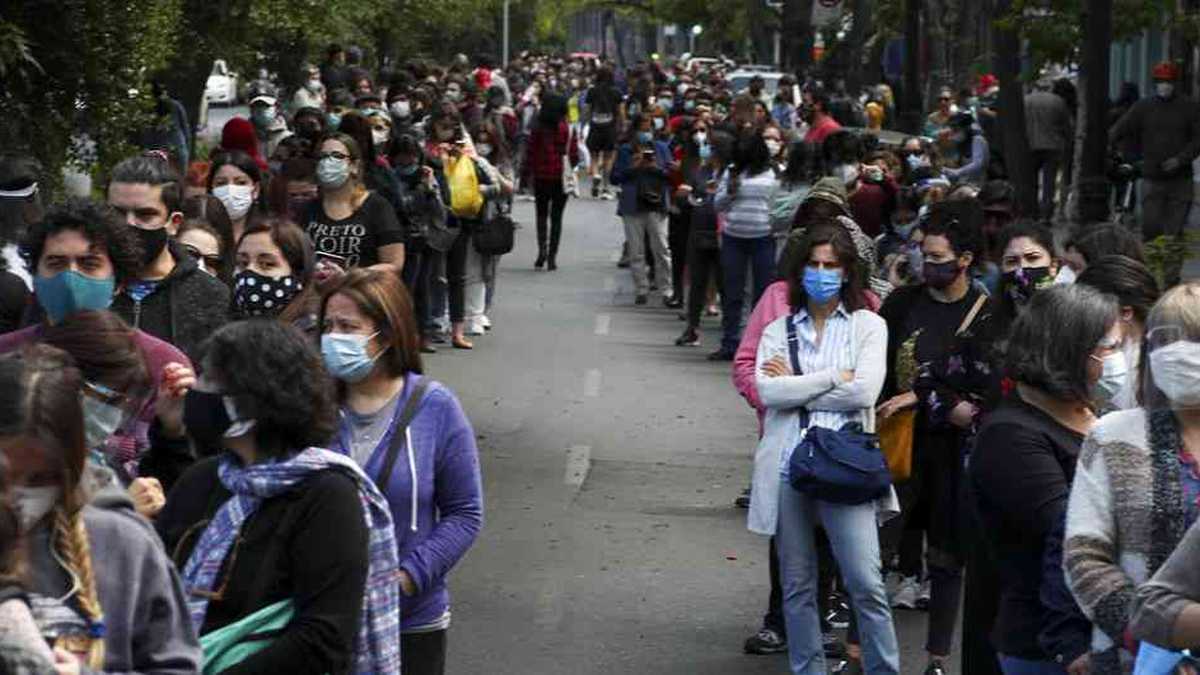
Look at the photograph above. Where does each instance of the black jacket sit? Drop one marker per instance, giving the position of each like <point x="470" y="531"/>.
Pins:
<point x="188" y="305"/>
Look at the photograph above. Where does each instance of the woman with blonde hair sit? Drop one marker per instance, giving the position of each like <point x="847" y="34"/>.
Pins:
<point x="90" y="602"/>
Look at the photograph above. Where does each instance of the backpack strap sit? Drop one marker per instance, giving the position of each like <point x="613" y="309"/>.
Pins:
<point x="970" y="318"/>
<point x="398" y="432"/>
<point x="793" y="341"/>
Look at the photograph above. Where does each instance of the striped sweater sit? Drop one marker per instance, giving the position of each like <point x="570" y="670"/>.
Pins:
<point x="1124" y="518"/>
<point x="748" y="213"/>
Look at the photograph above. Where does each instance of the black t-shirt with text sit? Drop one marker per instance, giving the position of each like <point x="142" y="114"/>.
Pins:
<point x="359" y="237"/>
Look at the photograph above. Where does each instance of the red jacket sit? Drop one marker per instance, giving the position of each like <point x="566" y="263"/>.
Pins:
<point x="545" y="152"/>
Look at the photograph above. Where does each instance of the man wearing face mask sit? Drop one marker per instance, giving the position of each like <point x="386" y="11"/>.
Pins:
<point x="269" y="125"/>
<point x="1167" y="128"/>
<point x="309" y="124"/>
<point x="311" y="94"/>
<point x="815" y="113"/>
<point x="169" y="296"/>
<point x="79" y="256"/>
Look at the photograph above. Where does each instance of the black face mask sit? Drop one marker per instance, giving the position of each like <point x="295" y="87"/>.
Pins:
<point x="153" y="242"/>
<point x="205" y="418"/>
<point x="1020" y="284"/>
<point x="309" y="129"/>
<point x="940" y="275"/>
<point x="258" y="295"/>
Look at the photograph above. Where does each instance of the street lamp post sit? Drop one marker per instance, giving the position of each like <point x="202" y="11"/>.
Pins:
<point x="504" y="48"/>
<point x="696" y="31"/>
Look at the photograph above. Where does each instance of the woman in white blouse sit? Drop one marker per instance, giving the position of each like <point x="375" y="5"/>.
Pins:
<point x="841" y="352"/>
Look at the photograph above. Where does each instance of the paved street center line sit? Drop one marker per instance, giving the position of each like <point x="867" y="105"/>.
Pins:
<point x="591" y="383"/>
<point x="579" y="462"/>
<point x="603" y="321"/>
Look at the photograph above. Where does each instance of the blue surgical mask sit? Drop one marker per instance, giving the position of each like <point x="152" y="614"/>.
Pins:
<point x="346" y="356"/>
<point x="705" y="152"/>
<point x="822" y="285"/>
<point x="645" y="137"/>
<point x="332" y="120"/>
<point x="69" y="292"/>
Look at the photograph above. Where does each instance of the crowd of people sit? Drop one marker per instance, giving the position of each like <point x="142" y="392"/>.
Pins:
<point x="215" y="422"/>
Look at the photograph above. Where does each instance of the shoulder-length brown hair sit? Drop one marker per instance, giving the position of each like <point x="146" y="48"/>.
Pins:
<point x="297" y="249"/>
<point x="382" y="297"/>
<point x="104" y="349"/>
<point x="800" y="250"/>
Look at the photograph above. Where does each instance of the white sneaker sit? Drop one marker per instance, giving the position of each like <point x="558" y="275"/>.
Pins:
<point x="474" y="328"/>
<point x="485" y="322"/>
<point x="923" y="595"/>
<point x="907" y="593"/>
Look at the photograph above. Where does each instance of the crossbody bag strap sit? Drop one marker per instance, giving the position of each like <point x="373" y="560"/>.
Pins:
<point x="398" y="435"/>
<point x="793" y="343"/>
<point x="970" y="317"/>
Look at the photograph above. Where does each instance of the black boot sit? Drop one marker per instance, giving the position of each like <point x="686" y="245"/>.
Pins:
<point x="555" y="235"/>
<point x="541" y="237"/>
<point x="541" y="259"/>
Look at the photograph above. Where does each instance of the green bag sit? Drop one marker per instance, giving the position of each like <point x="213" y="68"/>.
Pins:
<point x="226" y="647"/>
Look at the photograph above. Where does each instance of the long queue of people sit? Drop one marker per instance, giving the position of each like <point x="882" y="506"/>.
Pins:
<point x="961" y="408"/>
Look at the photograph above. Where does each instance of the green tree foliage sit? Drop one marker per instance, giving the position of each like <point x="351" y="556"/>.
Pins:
<point x="75" y="67"/>
<point x="1054" y="28"/>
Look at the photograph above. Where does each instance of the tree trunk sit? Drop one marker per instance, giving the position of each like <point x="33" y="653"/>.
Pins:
<point x="186" y="79"/>
<point x="859" y="31"/>
<point x="1017" y="158"/>
<point x="910" y="99"/>
<point x="1092" y="189"/>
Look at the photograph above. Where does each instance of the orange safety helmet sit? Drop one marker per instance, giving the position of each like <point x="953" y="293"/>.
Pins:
<point x="1165" y="71"/>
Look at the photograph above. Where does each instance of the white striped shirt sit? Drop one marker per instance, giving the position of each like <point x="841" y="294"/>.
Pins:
<point x="748" y="213"/>
<point x="835" y="351"/>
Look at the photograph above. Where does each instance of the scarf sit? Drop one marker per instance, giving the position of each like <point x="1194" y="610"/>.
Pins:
<point x="377" y="648"/>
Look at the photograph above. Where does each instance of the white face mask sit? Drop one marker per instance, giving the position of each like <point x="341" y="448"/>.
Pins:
<point x="1113" y="377"/>
<point x="700" y="137"/>
<point x="773" y="147"/>
<point x="34" y="503"/>
<point x="401" y="109"/>
<point x="483" y="149"/>
<point x="380" y="137"/>
<point x="1176" y="371"/>
<point x="1164" y="89"/>
<point x="236" y="198"/>
<point x="1066" y="275"/>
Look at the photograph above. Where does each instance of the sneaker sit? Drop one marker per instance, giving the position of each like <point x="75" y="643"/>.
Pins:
<point x="833" y="645"/>
<point x="720" y="355"/>
<point x="690" y="338"/>
<point x="923" y="595"/>
<point x="485" y="322"/>
<point x="839" y="613"/>
<point x="742" y="501"/>
<point x="474" y="328"/>
<point x="595" y="188"/>
<point x="641" y="299"/>
<point x="935" y="667"/>
<point x="673" y="302"/>
<point x="765" y="641"/>
<point x="907" y="593"/>
<point x="848" y="667"/>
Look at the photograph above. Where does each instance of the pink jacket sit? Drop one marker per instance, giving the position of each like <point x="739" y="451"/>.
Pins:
<point x="772" y="305"/>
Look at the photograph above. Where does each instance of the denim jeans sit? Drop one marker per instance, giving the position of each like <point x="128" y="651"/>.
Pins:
<point x="854" y="537"/>
<point x="1012" y="665"/>
<point x="736" y="253"/>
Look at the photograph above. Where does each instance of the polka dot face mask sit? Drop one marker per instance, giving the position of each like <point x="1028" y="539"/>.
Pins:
<point x="257" y="295"/>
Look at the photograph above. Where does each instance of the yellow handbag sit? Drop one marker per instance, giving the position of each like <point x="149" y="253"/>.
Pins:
<point x="896" y="440"/>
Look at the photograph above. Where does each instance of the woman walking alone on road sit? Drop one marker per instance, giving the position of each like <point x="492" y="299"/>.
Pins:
<point x="549" y="145"/>
<point x="411" y="436"/>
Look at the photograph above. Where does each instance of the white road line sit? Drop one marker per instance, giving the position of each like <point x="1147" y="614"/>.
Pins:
<point x="603" y="322"/>
<point x="579" y="462"/>
<point x="591" y="383"/>
<point x="610" y="284"/>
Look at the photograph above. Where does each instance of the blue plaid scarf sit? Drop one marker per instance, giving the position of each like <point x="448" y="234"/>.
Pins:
<point x="377" y="648"/>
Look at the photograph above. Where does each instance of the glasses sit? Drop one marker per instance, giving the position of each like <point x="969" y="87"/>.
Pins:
<point x="212" y="262"/>
<point x="335" y="154"/>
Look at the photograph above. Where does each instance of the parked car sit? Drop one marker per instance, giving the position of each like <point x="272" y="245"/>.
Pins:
<point x="739" y="80"/>
<point x="222" y="86"/>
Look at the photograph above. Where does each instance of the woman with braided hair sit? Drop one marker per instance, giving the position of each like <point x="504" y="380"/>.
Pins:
<point x="116" y="605"/>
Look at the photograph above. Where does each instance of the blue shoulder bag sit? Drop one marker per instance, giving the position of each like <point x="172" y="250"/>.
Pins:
<point x="843" y="466"/>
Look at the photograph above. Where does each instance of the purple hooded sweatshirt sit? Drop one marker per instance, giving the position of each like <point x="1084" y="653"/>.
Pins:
<point x="435" y="493"/>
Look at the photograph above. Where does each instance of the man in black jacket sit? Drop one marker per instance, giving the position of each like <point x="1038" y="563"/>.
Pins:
<point x="171" y="298"/>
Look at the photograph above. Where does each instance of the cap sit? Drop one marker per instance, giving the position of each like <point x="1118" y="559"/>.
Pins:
<point x="263" y="98"/>
<point x="1165" y="71"/>
<point x="18" y="176"/>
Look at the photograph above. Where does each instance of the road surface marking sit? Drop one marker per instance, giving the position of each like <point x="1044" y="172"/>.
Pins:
<point x="603" y="321"/>
<point x="610" y="284"/>
<point x="591" y="383"/>
<point x="579" y="461"/>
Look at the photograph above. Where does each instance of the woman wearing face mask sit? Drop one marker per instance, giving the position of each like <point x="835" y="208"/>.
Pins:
<point x="269" y="519"/>
<point x="207" y="235"/>
<point x="235" y="180"/>
<point x="411" y="436"/>
<point x="480" y="289"/>
<point x="22" y="648"/>
<point x="1135" y="488"/>
<point x="350" y="221"/>
<point x="1136" y="289"/>
<point x="702" y="168"/>
<point x="1026" y="457"/>
<point x="311" y="94"/>
<point x="923" y="322"/>
<point x="93" y="569"/>
<point x="549" y="145"/>
<point x="275" y="265"/>
<point x="794" y="184"/>
<point x="829" y="377"/>
<point x="776" y="148"/>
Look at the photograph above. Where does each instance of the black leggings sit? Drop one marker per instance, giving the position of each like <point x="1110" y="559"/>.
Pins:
<point x="703" y="265"/>
<point x="418" y="267"/>
<point x="549" y="202"/>
<point x="456" y="273"/>
<point x="678" y="227"/>
<point x="423" y="653"/>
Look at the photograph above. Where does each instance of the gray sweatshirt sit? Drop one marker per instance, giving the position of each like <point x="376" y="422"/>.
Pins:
<point x="147" y="629"/>
<point x="1175" y="586"/>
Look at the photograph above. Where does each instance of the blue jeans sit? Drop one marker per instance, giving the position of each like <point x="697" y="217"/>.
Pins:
<point x="854" y="538"/>
<point x="736" y="253"/>
<point x="1011" y="665"/>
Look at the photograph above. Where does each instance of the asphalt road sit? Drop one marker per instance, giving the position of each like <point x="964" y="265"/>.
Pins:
<point x="610" y="459"/>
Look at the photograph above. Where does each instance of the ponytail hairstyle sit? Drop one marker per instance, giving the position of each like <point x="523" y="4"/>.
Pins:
<point x="39" y="403"/>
